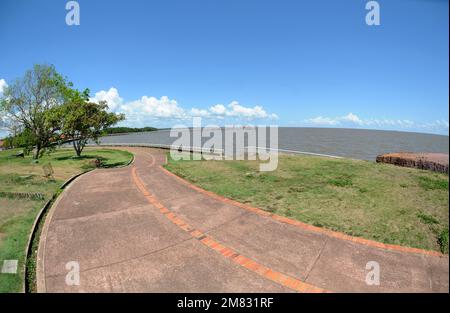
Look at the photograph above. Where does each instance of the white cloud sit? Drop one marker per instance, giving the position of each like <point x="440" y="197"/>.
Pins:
<point x="3" y="85"/>
<point x="165" y="108"/>
<point x="154" y="107"/>
<point x="436" y="126"/>
<point x="5" y="123"/>
<point x="234" y="110"/>
<point x="4" y="118"/>
<point x="200" y="112"/>
<point x="323" y="121"/>
<point x="350" y="117"/>
<point x="218" y="109"/>
<point x="142" y="109"/>
<point x="388" y="122"/>
<point x="237" y="110"/>
<point x="330" y="121"/>
<point x="111" y="96"/>
<point x="353" y="120"/>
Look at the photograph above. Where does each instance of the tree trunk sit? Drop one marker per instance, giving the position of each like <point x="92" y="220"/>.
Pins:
<point x="37" y="152"/>
<point x="81" y="145"/>
<point x="78" y="147"/>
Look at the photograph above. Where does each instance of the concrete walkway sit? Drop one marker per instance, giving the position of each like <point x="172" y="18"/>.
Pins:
<point x="140" y="229"/>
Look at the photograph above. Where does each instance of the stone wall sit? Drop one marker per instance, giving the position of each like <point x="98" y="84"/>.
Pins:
<point x="437" y="162"/>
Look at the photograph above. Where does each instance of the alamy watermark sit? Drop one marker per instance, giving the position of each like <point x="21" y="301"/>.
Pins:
<point x="73" y="276"/>
<point x="373" y="274"/>
<point x="73" y="14"/>
<point x="373" y="16"/>
<point x="226" y="143"/>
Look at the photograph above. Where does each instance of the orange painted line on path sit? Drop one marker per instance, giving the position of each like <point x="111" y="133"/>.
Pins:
<point x="228" y="253"/>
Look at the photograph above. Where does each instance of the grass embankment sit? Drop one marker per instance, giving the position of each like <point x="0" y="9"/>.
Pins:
<point x="381" y="202"/>
<point x="24" y="190"/>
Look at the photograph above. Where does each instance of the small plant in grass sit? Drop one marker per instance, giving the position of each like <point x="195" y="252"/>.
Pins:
<point x="268" y="178"/>
<point x="428" y="183"/>
<point x="443" y="240"/>
<point x="296" y="189"/>
<point x="249" y="175"/>
<point x="427" y="219"/>
<point x="342" y="181"/>
<point x="98" y="162"/>
<point x="317" y="224"/>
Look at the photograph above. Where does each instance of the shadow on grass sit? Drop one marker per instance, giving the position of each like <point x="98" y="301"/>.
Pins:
<point x="116" y="164"/>
<point x="74" y="157"/>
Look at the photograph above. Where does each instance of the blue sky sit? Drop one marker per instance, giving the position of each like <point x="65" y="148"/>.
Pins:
<point x="292" y="63"/>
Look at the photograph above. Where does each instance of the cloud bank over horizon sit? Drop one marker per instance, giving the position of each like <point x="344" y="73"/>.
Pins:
<point x="352" y="120"/>
<point x="149" y="109"/>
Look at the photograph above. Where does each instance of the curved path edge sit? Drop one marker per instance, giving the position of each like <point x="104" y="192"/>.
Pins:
<point x="38" y="219"/>
<point x="40" y="257"/>
<point x="47" y="214"/>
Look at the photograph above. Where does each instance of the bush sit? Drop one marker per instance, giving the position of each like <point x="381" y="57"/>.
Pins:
<point x="443" y="241"/>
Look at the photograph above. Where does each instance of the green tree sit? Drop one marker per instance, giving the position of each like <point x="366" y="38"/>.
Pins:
<point x="24" y="140"/>
<point x="7" y="143"/>
<point x="82" y="120"/>
<point x="30" y="103"/>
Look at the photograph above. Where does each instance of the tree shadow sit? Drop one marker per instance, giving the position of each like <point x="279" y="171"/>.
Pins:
<point x="74" y="157"/>
<point x="116" y="164"/>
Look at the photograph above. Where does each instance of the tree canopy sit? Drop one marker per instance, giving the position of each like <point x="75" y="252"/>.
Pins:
<point x="30" y="101"/>
<point x="82" y="120"/>
<point x="43" y="108"/>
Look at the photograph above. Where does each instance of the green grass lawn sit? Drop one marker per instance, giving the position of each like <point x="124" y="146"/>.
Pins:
<point x="24" y="190"/>
<point x="382" y="202"/>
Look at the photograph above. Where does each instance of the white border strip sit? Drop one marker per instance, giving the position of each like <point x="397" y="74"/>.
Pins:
<point x="219" y="151"/>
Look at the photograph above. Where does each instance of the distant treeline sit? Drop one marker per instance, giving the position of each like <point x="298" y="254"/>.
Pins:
<point x="119" y="130"/>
